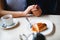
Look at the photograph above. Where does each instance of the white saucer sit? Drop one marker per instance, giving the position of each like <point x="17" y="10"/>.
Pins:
<point x="15" y="22"/>
<point x="49" y="25"/>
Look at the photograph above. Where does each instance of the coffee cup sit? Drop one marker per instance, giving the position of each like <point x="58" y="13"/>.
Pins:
<point x="7" y="20"/>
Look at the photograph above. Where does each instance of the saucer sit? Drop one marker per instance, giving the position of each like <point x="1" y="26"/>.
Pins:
<point x="15" y="23"/>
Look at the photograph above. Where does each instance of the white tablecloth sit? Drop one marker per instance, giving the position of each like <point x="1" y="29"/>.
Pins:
<point x="23" y="28"/>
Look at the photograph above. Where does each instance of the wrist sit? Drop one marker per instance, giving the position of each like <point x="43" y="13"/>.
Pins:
<point x="29" y="15"/>
<point x="27" y="11"/>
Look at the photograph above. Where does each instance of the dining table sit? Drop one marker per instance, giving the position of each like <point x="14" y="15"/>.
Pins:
<point x="24" y="28"/>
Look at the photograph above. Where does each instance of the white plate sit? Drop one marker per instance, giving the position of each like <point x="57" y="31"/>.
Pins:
<point x="15" y="23"/>
<point x="49" y="25"/>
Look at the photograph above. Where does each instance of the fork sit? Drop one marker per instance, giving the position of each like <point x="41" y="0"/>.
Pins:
<point x="29" y="22"/>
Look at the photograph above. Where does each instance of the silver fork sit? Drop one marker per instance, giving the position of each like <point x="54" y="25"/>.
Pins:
<point x="29" y="22"/>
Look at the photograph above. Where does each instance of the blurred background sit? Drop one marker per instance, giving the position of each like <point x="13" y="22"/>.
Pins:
<point x="58" y="6"/>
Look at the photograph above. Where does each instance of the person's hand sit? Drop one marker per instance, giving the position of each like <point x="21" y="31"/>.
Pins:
<point x="36" y="10"/>
<point x="28" y="10"/>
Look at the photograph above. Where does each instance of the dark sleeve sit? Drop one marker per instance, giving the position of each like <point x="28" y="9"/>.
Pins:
<point x="47" y="6"/>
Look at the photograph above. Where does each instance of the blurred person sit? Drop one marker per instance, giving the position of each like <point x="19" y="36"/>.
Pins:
<point x="18" y="8"/>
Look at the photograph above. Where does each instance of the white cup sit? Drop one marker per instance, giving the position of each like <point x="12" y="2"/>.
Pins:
<point x="7" y="19"/>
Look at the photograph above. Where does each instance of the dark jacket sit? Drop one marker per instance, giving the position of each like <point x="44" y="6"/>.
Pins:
<point x="48" y="6"/>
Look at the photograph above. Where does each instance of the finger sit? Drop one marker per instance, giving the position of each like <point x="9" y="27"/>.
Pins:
<point x="34" y="9"/>
<point x="36" y="6"/>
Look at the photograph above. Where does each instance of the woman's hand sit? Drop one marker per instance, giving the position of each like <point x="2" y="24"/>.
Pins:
<point x="28" y="10"/>
<point x="36" y="10"/>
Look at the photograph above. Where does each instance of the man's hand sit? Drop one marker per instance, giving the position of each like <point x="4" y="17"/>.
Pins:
<point x="36" y="10"/>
